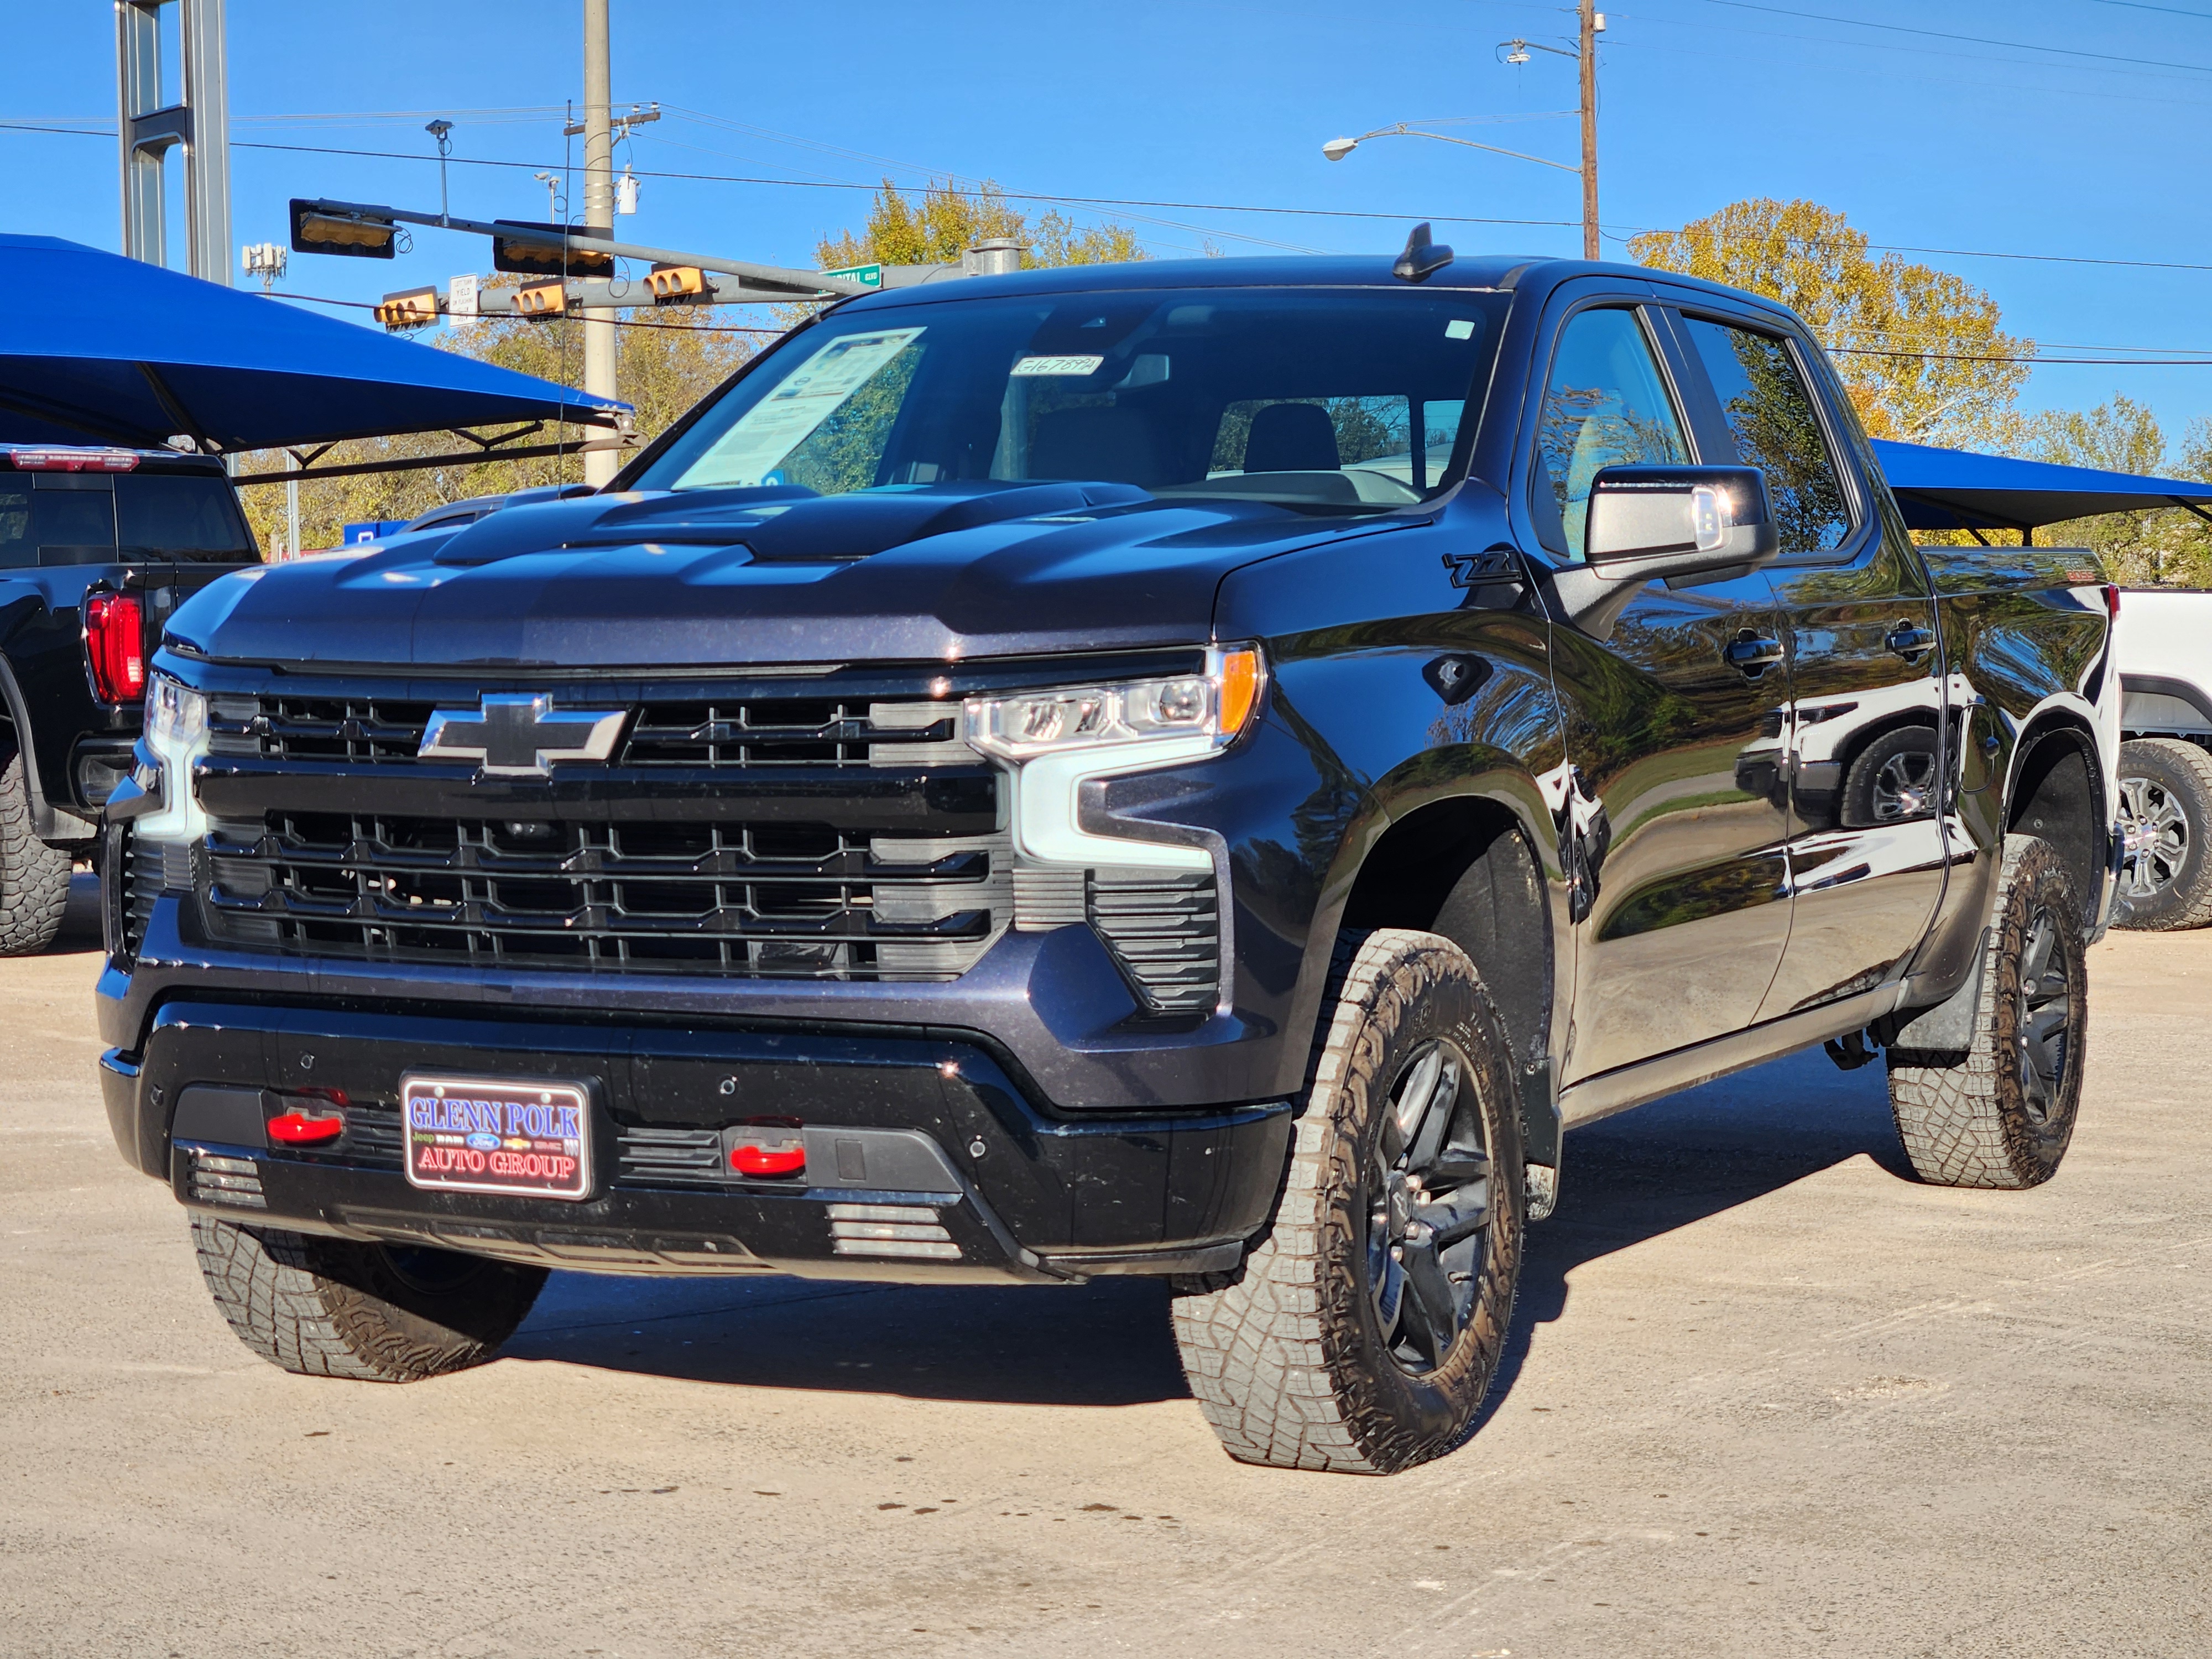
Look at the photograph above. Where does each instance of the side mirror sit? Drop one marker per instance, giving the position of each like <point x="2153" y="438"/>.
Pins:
<point x="1681" y="524"/>
<point x="1674" y="521"/>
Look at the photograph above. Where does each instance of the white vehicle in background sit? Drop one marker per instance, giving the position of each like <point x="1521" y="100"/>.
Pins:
<point x="2164" y="648"/>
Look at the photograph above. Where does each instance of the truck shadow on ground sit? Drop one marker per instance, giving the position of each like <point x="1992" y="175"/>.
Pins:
<point x="1632" y="1178"/>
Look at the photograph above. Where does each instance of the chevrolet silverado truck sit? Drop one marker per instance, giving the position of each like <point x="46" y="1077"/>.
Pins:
<point x="1199" y="770"/>
<point x="97" y="546"/>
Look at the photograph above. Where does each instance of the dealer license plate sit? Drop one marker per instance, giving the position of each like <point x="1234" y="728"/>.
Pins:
<point x="475" y="1134"/>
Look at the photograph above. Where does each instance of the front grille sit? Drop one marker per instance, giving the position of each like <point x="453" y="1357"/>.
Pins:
<point x="712" y="732"/>
<point x="774" y="900"/>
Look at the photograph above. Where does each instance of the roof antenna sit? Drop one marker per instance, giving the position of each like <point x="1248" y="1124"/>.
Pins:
<point x="1422" y="258"/>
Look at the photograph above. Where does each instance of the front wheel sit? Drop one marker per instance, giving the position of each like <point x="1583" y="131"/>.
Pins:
<point x="1362" y="1334"/>
<point x="2002" y="1113"/>
<point x="2165" y="816"/>
<point x="376" y="1313"/>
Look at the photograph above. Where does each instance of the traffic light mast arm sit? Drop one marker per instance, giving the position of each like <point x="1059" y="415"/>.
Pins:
<point x="804" y="284"/>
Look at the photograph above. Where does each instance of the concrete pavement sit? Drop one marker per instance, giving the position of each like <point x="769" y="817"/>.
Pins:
<point x="1765" y="1397"/>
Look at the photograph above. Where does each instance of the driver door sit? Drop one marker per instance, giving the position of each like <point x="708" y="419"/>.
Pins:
<point x="1674" y="815"/>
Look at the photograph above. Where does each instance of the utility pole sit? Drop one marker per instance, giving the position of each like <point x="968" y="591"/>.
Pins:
<point x="600" y="375"/>
<point x="1591" y="21"/>
<point x="197" y="124"/>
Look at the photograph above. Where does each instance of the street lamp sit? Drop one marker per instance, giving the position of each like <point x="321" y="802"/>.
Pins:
<point x="1516" y="52"/>
<point x="1337" y="148"/>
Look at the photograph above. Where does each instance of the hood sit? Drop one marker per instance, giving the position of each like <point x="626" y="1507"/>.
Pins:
<point x="745" y="577"/>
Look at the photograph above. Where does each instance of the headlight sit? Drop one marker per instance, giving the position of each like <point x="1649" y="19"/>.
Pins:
<point x="1215" y="705"/>
<point x="176" y="736"/>
<point x="1059" y="739"/>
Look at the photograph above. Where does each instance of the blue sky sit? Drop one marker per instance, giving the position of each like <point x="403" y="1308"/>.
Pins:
<point x="1939" y="131"/>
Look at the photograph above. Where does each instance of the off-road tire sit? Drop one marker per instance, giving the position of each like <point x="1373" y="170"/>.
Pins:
<point x="333" y="1306"/>
<point x="1969" y="1120"/>
<point x="1286" y="1357"/>
<point x="34" y="878"/>
<point x="2180" y="774"/>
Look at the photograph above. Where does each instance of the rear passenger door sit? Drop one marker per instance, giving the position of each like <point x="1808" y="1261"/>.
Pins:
<point x="1863" y="741"/>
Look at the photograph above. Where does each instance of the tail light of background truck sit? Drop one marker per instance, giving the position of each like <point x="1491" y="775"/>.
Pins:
<point x="115" y="646"/>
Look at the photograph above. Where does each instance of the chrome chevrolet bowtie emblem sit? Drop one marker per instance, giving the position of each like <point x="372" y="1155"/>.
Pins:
<point x="521" y="736"/>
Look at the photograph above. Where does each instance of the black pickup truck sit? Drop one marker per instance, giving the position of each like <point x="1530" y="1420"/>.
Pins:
<point x="97" y="546"/>
<point x="1201" y="770"/>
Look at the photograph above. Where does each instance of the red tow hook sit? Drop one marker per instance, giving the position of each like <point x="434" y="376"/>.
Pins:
<point x="298" y="1129"/>
<point x="768" y="1146"/>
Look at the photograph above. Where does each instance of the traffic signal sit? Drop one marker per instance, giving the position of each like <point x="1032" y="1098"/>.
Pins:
<point x="676" y="282"/>
<point x="416" y="307"/>
<point x="318" y="228"/>
<point x="541" y="259"/>
<point x="542" y="300"/>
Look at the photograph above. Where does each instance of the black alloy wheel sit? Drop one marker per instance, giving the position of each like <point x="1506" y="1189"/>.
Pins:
<point x="2045" y="1013"/>
<point x="1428" y="1210"/>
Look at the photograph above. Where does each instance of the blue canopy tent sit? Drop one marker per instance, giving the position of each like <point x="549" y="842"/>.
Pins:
<point x="1956" y="490"/>
<point x="98" y="348"/>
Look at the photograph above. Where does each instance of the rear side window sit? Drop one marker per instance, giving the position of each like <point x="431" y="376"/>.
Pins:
<point x="1771" y="413"/>
<point x="40" y="524"/>
<point x="179" y="516"/>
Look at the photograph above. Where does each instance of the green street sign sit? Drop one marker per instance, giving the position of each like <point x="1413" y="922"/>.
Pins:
<point x="866" y="276"/>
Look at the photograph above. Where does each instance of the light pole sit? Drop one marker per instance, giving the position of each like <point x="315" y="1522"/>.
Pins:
<point x="1590" y="24"/>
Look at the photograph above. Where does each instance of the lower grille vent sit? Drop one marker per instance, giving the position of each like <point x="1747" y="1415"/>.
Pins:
<point x="215" y="1179"/>
<point x="659" y="1157"/>
<point x="889" y="1229"/>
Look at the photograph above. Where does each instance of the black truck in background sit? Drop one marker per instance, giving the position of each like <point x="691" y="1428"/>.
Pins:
<point x="1203" y="770"/>
<point x="98" y="546"/>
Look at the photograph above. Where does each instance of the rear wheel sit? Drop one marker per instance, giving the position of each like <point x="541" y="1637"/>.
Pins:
<point x="1362" y="1334"/>
<point x="2165" y="819"/>
<point x="34" y="878"/>
<point x="376" y="1313"/>
<point x="2002" y="1113"/>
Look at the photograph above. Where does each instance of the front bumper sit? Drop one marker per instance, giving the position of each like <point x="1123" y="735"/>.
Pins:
<point x="897" y="1123"/>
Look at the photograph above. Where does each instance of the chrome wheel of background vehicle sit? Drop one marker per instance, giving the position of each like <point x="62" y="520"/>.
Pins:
<point x="2165" y="821"/>
<point x="1904" y="786"/>
<point x="2154" y="831"/>
<point x="1428" y="1210"/>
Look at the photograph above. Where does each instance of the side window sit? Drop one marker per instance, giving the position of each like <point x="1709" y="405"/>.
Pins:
<point x="1771" y="413"/>
<point x="1605" y="404"/>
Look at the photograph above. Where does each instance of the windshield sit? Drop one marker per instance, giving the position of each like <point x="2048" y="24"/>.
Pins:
<point x="1348" y="399"/>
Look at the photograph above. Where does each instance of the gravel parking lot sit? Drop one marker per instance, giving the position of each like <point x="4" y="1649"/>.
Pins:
<point x="1766" y="1396"/>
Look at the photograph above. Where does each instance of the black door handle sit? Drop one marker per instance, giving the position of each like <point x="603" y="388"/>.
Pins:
<point x="1910" y="640"/>
<point x="1752" y="653"/>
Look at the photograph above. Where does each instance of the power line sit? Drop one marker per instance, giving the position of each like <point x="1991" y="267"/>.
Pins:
<point x="2170" y="11"/>
<point x="1971" y="40"/>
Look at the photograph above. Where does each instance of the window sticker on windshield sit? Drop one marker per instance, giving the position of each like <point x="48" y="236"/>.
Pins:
<point x="1029" y="366"/>
<point x="787" y="417"/>
<point x="1460" y="328"/>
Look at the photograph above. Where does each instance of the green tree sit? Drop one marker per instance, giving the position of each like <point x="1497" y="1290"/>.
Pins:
<point x="1914" y="345"/>
<point x="2165" y="548"/>
<point x="945" y="221"/>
